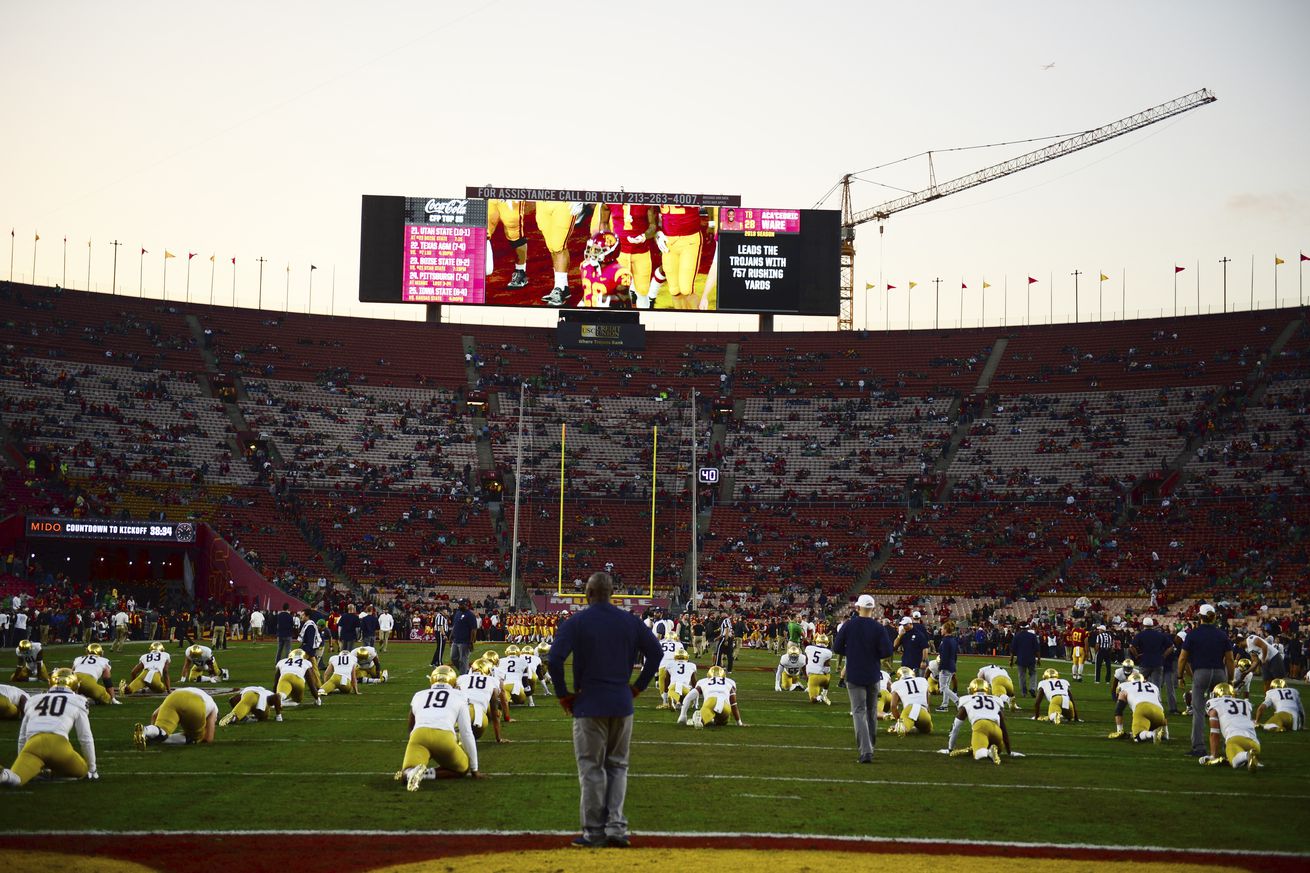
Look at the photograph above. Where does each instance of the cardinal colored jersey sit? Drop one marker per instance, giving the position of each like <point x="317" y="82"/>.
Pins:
<point x="54" y="712"/>
<point x="29" y="658"/>
<point x="627" y="220"/>
<point x="817" y="660"/>
<point x="712" y="688"/>
<point x="91" y="665"/>
<point x="670" y="648"/>
<point x="1234" y="717"/>
<point x="1078" y="637"/>
<point x="1054" y="688"/>
<point x="261" y="705"/>
<point x="679" y="220"/>
<point x="981" y="707"/>
<point x="155" y="662"/>
<point x="1138" y="692"/>
<point x="343" y="663"/>
<point x="991" y="673"/>
<point x="294" y="667"/>
<point x="911" y="691"/>
<point x="601" y="284"/>
<point x="206" y="655"/>
<point x="1286" y="700"/>
<point x="682" y="674"/>
<point x="366" y="655"/>
<point x="477" y="688"/>
<point x="792" y="664"/>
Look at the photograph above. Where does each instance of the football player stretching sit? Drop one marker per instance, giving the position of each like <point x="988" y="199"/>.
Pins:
<point x="818" y="669"/>
<point x="482" y="689"/>
<point x="910" y="704"/>
<point x="92" y="671"/>
<point x="43" y="735"/>
<point x="682" y="679"/>
<point x="983" y="712"/>
<point x="787" y="676"/>
<point x="1230" y="722"/>
<point x="251" y="704"/>
<point x="1288" y="714"/>
<point x="1143" y="698"/>
<point x="440" y="731"/>
<point x="1059" y="699"/>
<point x="150" y="671"/>
<point x="716" y="695"/>
<point x="30" y="665"/>
<point x="670" y="646"/>
<point x="295" y="674"/>
<point x="342" y="674"/>
<point x="188" y="715"/>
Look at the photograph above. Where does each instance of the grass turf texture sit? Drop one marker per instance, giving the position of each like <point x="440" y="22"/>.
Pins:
<point x="791" y="770"/>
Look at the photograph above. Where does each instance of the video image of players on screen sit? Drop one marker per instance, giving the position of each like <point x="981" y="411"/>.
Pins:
<point x="601" y="255"/>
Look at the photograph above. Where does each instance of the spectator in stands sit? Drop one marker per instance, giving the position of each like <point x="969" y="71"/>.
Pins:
<point x="285" y="627"/>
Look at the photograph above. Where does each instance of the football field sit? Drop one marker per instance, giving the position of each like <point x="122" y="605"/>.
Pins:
<point x="790" y="771"/>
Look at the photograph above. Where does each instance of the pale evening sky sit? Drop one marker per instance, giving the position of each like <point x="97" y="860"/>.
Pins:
<point x="251" y="129"/>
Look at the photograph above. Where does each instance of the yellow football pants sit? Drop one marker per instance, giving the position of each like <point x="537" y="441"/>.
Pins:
<point x="884" y="701"/>
<point x="1147" y="717"/>
<point x="139" y="684"/>
<point x="1078" y="656"/>
<point x="1237" y="745"/>
<point x="8" y="709"/>
<point x="676" y="693"/>
<point x="922" y="722"/>
<point x="815" y="685"/>
<point x="638" y="264"/>
<point x="336" y="682"/>
<point x="91" y="689"/>
<point x="1283" y="719"/>
<point x="369" y="672"/>
<point x="514" y="693"/>
<point x="246" y="705"/>
<point x="986" y="733"/>
<point x="430" y="744"/>
<point x="503" y="212"/>
<point x="788" y="681"/>
<point x="1002" y="685"/>
<point x="1057" y="705"/>
<point x="22" y="674"/>
<point x="292" y="687"/>
<point x="48" y="750"/>
<point x="663" y="679"/>
<point x="554" y="220"/>
<point x="709" y="713"/>
<point x="681" y="262"/>
<point x="196" y="671"/>
<point x="182" y="711"/>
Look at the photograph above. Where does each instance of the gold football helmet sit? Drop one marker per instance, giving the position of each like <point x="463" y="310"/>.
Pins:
<point x="1244" y="664"/>
<point x="717" y="672"/>
<point x="511" y="650"/>
<point x="1223" y="689"/>
<point x="793" y="649"/>
<point x="443" y="675"/>
<point x="483" y="666"/>
<point x="157" y="646"/>
<point x="491" y="655"/>
<point x="1128" y="665"/>
<point x="295" y="653"/>
<point x="680" y="655"/>
<point x="979" y="686"/>
<point x="904" y="673"/>
<point x="94" y="649"/>
<point x="63" y="677"/>
<point x="543" y="648"/>
<point x="362" y="653"/>
<point x="24" y="646"/>
<point x="1136" y="676"/>
<point x="671" y="635"/>
<point x="821" y="640"/>
<point x="195" y="652"/>
<point x="1051" y="673"/>
<point x="1277" y="683"/>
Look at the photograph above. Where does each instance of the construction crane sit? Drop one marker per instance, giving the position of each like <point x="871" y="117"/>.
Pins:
<point x="852" y="219"/>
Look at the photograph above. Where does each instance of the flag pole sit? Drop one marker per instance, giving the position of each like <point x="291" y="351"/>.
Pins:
<point x="88" y="265"/>
<point x="164" y="278"/>
<point x="1253" y="282"/>
<point x="262" y="261"/>
<point x="37" y="238"/>
<point x="960" y="324"/>
<point x="1123" y="291"/>
<point x="1175" y="292"/>
<point x="559" y="572"/>
<point x="11" y="254"/>
<point x="1100" y="296"/>
<point x="1224" y="260"/>
<point x="141" y="274"/>
<point x="1076" y="274"/>
<point x="286" y="299"/>
<point x="654" y="459"/>
<point x="1005" y="304"/>
<point x="1275" y="273"/>
<point x="213" y="264"/>
<point x="1198" y="286"/>
<point x="113" y="288"/>
<point x="64" y="281"/>
<point x="189" y="256"/>
<point x="234" y="282"/>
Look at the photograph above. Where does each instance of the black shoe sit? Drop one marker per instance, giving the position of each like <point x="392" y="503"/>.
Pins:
<point x="518" y="280"/>
<point x="864" y="759"/>
<point x="618" y="841"/>
<point x="557" y="297"/>
<point x="585" y="842"/>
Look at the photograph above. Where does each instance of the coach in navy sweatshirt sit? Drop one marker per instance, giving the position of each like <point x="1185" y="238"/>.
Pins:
<point x="605" y="642"/>
<point x="864" y="642"/>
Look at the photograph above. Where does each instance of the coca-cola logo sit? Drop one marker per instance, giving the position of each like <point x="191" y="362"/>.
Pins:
<point x="446" y="207"/>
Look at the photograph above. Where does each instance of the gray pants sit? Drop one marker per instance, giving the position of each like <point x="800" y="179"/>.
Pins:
<point x="1274" y="668"/>
<point x="1203" y="681"/>
<point x="864" y="712"/>
<point x="283" y="647"/>
<point x="1155" y="675"/>
<point x="1028" y="679"/>
<point x="1169" y="685"/>
<point x="459" y="659"/>
<point x="944" y="678"/>
<point x="601" y="747"/>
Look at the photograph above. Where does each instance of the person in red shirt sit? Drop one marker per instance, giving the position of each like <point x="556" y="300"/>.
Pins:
<point x="679" y="239"/>
<point x="635" y="228"/>
<point x="1077" y="641"/>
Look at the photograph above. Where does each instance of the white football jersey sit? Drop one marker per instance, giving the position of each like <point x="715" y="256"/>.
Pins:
<point x="911" y="691"/>
<point x="365" y="656"/>
<point x="154" y="662"/>
<point x="91" y="665"/>
<point x="991" y="673"/>
<point x="261" y="705"/>
<point x="29" y="658"/>
<point x="58" y="711"/>
<point x="1280" y="699"/>
<point x="792" y="664"/>
<point x="210" y="705"/>
<point x="817" y="660"/>
<point x="446" y="709"/>
<point x="478" y="688"/>
<point x="204" y="657"/>
<point x="669" y="648"/>
<point x="343" y="663"/>
<point x="1121" y="675"/>
<point x="1054" y="688"/>
<point x="682" y="674"/>
<point x="294" y="666"/>
<point x="981" y="707"/>
<point x="1234" y="717"/>
<point x="935" y="668"/>
<point x="1253" y="647"/>
<point x="14" y="695"/>
<point x="530" y="664"/>
<point x="714" y="689"/>
<point x="1138" y="692"/>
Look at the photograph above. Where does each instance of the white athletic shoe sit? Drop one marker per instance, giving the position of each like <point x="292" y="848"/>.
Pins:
<point x="995" y="754"/>
<point x="385" y="675"/>
<point x="415" y="778"/>
<point x="696" y="721"/>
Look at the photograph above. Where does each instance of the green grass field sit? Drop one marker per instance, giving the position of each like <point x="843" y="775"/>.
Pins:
<point x="791" y="770"/>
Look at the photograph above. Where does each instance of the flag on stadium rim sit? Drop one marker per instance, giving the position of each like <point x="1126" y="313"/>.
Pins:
<point x="912" y="285"/>
<point x="312" y="267"/>
<point x="964" y="287"/>
<point x="1305" y="257"/>
<point x="211" y="259"/>
<point x="1277" y="260"/>
<point x="143" y="251"/>
<point x="190" y="255"/>
<point x="1105" y="278"/>
<point x="168" y="254"/>
<point x="891" y="287"/>
<point x="1178" y="269"/>
<point x="868" y="286"/>
<point x="1031" y="280"/>
<point x="38" y="238"/>
<point x="234" y="261"/>
<point x="986" y="284"/>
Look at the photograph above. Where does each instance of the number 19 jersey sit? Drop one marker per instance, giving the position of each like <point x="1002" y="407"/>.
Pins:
<point x="438" y="707"/>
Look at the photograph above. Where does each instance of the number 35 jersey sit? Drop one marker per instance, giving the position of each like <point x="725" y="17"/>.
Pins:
<point x="981" y="707"/>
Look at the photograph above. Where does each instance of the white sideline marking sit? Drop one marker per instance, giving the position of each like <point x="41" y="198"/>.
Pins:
<point x="772" y="837"/>
<point x="740" y="778"/>
<point x="773" y="796"/>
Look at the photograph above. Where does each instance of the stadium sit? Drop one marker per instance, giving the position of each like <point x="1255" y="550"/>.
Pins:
<point x="240" y="533"/>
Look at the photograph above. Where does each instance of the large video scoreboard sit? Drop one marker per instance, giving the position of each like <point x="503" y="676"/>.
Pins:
<point x="670" y="252"/>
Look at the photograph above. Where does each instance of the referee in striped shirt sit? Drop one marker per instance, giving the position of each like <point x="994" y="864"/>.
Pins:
<point x="1103" y="642"/>
<point x="441" y="629"/>
<point x="727" y="643"/>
